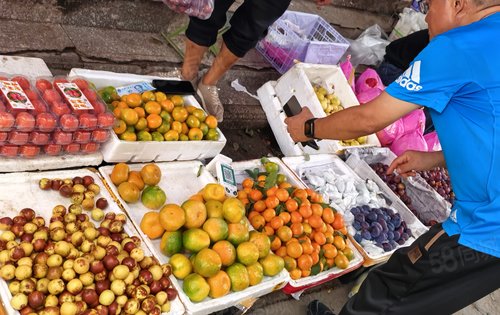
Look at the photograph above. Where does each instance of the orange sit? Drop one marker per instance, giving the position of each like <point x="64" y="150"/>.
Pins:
<point x="190" y="108"/>
<point x="196" y="214"/>
<point x="141" y="124"/>
<point x="284" y="233"/>
<point x="296" y="217"/>
<point x="129" y="192"/>
<point x="154" y="121"/>
<point x="117" y="112"/>
<point x="151" y="174"/>
<point x="329" y="237"/>
<point x="315" y="221"/>
<point x="307" y="247"/>
<point x="285" y="185"/>
<point x="214" y="191"/>
<point x="226" y="251"/>
<point x="291" y="205"/>
<point x="172" y="217"/>
<point x="290" y="263"/>
<point x="129" y="116"/>
<point x="268" y="230"/>
<point x="339" y="242"/>
<point x="305" y="211"/>
<point x="150" y="225"/>
<point x="307" y="228"/>
<point x="295" y="274"/>
<point x="207" y="263"/>
<point x="247" y="183"/>
<point x="160" y="96"/>
<point x="255" y="195"/>
<point x="184" y="128"/>
<point x="133" y="100"/>
<point x="200" y="114"/>
<point x="320" y="238"/>
<point x="272" y="202"/>
<point x="275" y="244"/>
<point x="317" y="209"/>
<point x="306" y="273"/>
<point x="282" y="194"/>
<point x="238" y="233"/>
<point x="211" y="121"/>
<point x="294" y="249"/>
<point x="177" y="100"/>
<point x="193" y="122"/>
<point x="119" y="127"/>
<point x="285" y="216"/>
<point x="269" y="214"/>
<point x="220" y="284"/>
<point x="262" y="241"/>
<point x="135" y="178"/>
<point x="257" y="221"/>
<point x="329" y="251"/>
<point x="242" y="195"/>
<point x="119" y="174"/>
<point x="171" y="135"/>
<point x="177" y="126"/>
<point x="276" y="222"/>
<point x="300" y="193"/>
<point x="195" y="134"/>
<point x="122" y="105"/>
<point x="167" y="105"/>
<point x="252" y="214"/>
<point x="259" y="206"/>
<point x="297" y="229"/>
<point x="281" y="251"/>
<point x="338" y="221"/>
<point x="179" y="114"/>
<point x="328" y="215"/>
<point x="305" y="262"/>
<point x="115" y="103"/>
<point x="261" y="178"/>
<point x="140" y="111"/>
<point x="152" y="107"/>
<point x="271" y="191"/>
<point x="148" y="96"/>
<point x="341" y="261"/>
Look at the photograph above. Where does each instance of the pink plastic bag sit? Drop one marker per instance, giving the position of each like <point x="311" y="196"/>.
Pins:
<point x="432" y="140"/>
<point x="201" y="9"/>
<point x="413" y="140"/>
<point x="414" y="121"/>
<point x="368" y="86"/>
<point x="387" y="135"/>
<point x="348" y="71"/>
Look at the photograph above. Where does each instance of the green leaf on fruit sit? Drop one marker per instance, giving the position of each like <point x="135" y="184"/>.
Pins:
<point x="316" y="269"/>
<point x="271" y="180"/>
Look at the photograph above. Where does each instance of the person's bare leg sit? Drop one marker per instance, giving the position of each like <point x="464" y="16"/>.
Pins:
<point x="222" y="63"/>
<point x="193" y="54"/>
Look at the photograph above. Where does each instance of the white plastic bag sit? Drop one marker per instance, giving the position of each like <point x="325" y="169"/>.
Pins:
<point x="409" y="22"/>
<point x="201" y="9"/>
<point x="369" y="47"/>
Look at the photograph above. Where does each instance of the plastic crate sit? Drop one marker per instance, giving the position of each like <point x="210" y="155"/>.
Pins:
<point x="303" y="37"/>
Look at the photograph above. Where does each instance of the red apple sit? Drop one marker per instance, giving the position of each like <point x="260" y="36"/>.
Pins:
<point x="46" y="122"/>
<point x="23" y="82"/>
<point x="105" y="120"/>
<point x="69" y="122"/>
<point x="100" y="135"/>
<point x="29" y="151"/>
<point x="42" y="85"/>
<point x="72" y="148"/>
<point x="32" y="95"/>
<point x="25" y="122"/>
<point x="61" y="137"/>
<point x="81" y="83"/>
<point x="39" y="106"/>
<point x="7" y="120"/>
<point x="18" y="137"/>
<point x="52" y="149"/>
<point x="51" y="96"/>
<point x="59" y="108"/>
<point x="91" y="95"/>
<point x="9" y="150"/>
<point x="81" y="136"/>
<point x="39" y="138"/>
<point x="88" y="121"/>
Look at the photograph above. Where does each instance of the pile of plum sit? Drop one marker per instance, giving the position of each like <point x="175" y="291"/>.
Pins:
<point x="381" y="225"/>
<point x="439" y="179"/>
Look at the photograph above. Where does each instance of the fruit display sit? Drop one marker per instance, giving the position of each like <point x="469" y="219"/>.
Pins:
<point x="309" y="235"/>
<point x="439" y="179"/>
<point x="69" y="265"/>
<point x="210" y="247"/>
<point x="143" y="184"/>
<point x="330" y="103"/>
<point x="155" y="116"/>
<point x="381" y="226"/>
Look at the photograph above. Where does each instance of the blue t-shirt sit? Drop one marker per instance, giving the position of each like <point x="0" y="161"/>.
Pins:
<point x="457" y="76"/>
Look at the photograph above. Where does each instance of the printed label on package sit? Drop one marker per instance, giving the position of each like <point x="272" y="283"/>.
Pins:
<point x="74" y="96"/>
<point x="139" y="87"/>
<point x="15" y="95"/>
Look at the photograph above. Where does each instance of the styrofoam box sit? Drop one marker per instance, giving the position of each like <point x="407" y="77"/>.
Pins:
<point x="20" y="190"/>
<point x="180" y="180"/>
<point x="428" y="204"/>
<point x="298" y="82"/>
<point x="306" y="282"/>
<point x="116" y="150"/>
<point x="365" y="172"/>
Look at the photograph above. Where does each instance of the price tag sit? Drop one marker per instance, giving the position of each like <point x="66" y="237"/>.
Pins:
<point x="225" y="176"/>
<point x="15" y="95"/>
<point x="74" y="96"/>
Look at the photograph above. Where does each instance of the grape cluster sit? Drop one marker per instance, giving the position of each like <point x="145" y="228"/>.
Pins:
<point x="395" y="184"/>
<point x="380" y="225"/>
<point x="439" y="179"/>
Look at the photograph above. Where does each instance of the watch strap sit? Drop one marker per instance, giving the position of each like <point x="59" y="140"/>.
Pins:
<point x="309" y="128"/>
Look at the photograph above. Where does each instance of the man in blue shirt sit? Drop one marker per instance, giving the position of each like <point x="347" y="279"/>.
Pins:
<point x="457" y="76"/>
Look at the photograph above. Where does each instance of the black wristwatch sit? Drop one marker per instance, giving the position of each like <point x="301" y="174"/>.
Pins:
<point x="309" y="128"/>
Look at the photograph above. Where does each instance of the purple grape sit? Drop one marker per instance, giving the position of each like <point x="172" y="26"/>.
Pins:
<point x="358" y="237"/>
<point x="400" y="241"/>
<point x="393" y="244"/>
<point x="356" y="225"/>
<point x="371" y="217"/>
<point x="355" y="211"/>
<point x="390" y="235"/>
<point x="365" y="225"/>
<point x="390" y="226"/>
<point x="365" y="208"/>
<point x="366" y="235"/>
<point x="381" y="238"/>
<point x="396" y="235"/>
<point x="387" y="247"/>
<point x="405" y="236"/>
<point x="375" y="232"/>
<point x="359" y="217"/>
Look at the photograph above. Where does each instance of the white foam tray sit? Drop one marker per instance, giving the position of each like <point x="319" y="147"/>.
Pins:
<point x="365" y="172"/>
<point x="273" y="95"/>
<point x="180" y="180"/>
<point x="116" y="150"/>
<point x="31" y="67"/>
<point x="240" y="174"/>
<point x="20" y="190"/>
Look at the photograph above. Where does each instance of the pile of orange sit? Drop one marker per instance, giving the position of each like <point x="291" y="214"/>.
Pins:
<point x="308" y="234"/>
<point x="155" y="116"/>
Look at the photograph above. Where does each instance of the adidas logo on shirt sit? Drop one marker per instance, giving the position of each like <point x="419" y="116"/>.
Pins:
<point x="410" y="79"/>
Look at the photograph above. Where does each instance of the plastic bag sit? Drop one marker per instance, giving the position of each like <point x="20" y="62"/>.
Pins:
<point x="413" y="140"/>
<point x="201" y="9"/>
<point x="409" y="22"/>
<point x="432" y="140"/>
<point x="369" y="47"/>
<point x="348" y="71"/>
<point x="387" y="135"/>
<point x="368" y="86"/>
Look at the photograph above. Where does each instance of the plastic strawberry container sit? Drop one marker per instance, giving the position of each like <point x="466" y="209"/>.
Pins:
<point x="52" y="149"/>
<point x="90" y="147"/>
<point x="72" y="148"/>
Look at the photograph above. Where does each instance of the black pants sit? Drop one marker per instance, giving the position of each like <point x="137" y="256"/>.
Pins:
<point x="435" y="275"/>
<point x="248" y="25"/>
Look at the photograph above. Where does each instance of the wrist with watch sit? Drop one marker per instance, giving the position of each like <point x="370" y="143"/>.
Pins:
<point x="309" y="128"/>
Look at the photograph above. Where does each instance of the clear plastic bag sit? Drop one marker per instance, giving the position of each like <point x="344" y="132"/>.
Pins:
<point x="369" y="47"/>
<point x="201" y="9"/>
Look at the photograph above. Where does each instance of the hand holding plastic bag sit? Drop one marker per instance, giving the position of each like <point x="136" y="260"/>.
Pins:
<point x="201" y="9"/>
